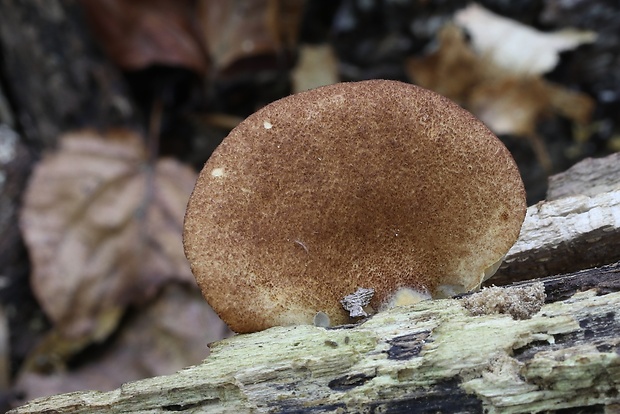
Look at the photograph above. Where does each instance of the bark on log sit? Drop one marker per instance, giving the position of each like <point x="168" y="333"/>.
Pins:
<point x="564" y="235"/>
<point x="428" y="358"/>
<point x="589" y="177"/>
<point x="577" y="231"/>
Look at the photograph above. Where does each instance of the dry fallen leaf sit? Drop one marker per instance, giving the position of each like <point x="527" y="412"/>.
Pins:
<point x="103" y="229"/>
<point x="236" y="30"/>
<point x="168" y="334"/>
<point x="317" y="65"/>
<point x="452" y="69"/>
<point x="511" y="105"/>
<point x="515" y="47"/>
<point x="506" y="102"/>
<point x="139" y="33"/>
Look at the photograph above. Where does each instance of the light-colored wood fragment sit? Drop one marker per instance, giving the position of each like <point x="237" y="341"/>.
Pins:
<point x="577" y="227"/>
<point x="564" y="235"/>
<point x="589" y="177"/>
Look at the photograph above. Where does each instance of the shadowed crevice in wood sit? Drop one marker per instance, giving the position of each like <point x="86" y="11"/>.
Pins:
<point x="445" y="397"/>
<point x="408" y="346"/>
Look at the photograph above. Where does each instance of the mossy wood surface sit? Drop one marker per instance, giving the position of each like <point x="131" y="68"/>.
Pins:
<point x="428" y="358"/>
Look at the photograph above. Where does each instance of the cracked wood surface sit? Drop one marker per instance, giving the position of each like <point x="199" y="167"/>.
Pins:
<point x="578" y="227"/>
<point x="431" y="357"/>
<point x="564" y="235"/>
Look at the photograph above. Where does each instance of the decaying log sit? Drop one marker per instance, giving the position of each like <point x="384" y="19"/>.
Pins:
<point x="578" y="230"/>
<point x="428" y="358"/>
<point x="589" y="177"/>
<point x="564" y="235"/>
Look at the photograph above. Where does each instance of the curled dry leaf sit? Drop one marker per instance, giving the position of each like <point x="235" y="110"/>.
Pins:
<point x="103" y="229"/>
<point x="506" y="102"/>
<point x="139" y="33"/>
<point x="515" y="47"/>
<point x="169" y="333"/>
<point x="511" y="105"/>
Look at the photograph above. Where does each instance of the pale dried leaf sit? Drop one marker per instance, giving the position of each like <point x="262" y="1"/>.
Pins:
<point x="103" y="228"/>
<point x="317" y="65"/>
<point x="452" y="69"/>
<point x="515" y="47"/>
<point x="168" y="334"/>
<point x="510" y="105"/>
<point x="506" y="103"/>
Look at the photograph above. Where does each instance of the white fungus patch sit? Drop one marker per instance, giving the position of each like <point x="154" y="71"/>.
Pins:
<point x="267" y="125"/>
<point x="355" y="302"/>
<point x="520" y="302"/>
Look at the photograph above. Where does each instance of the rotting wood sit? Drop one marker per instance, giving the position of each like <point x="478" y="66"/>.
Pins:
<point x="589" y="177"/>
<point x="431" y="357"/>
<point x="577" y="227"/>
<point x="563" y="236"/>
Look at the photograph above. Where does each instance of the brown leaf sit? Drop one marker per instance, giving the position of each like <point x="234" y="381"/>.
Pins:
<point x="236" y="30"/>
<point x="103" y="229"/>
<point x="139" y="33"/>
<point x="510" y="105"/>
<point x="168" y="334"/>
<point x="506" y="102"/>
<point x="452" y="70"/>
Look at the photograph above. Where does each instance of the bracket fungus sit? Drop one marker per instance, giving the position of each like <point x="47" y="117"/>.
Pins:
<point x="375" y="184"/>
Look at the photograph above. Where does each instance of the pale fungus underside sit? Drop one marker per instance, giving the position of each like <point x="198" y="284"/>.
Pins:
<point x="378" y="185"/>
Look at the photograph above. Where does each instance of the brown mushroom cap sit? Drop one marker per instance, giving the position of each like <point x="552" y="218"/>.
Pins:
<point x="377" y="184"/>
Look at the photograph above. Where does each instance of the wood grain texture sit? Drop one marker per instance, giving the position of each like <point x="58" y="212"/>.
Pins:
<point x="564" y="235"/>
<point x="589" y="177"/>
